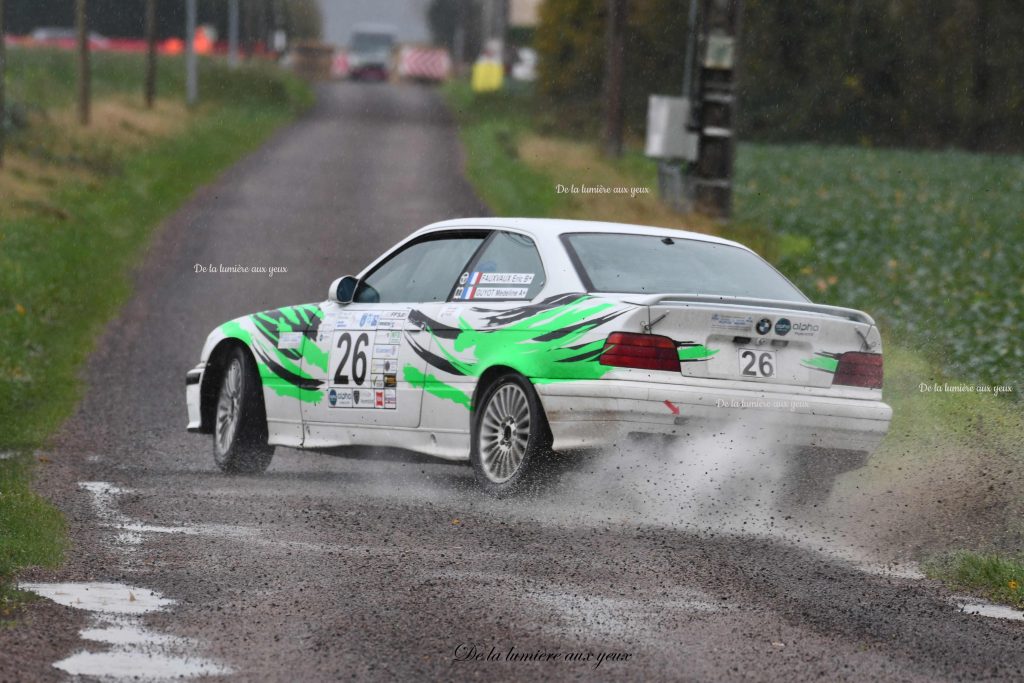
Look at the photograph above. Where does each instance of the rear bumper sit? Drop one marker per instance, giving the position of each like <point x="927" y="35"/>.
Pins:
<point x="597" y="413"/>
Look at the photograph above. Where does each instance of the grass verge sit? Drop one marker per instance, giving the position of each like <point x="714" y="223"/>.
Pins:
<point x="79" y="205"/>
<point x="864" y="228"/>
<point x="997" y="578"/>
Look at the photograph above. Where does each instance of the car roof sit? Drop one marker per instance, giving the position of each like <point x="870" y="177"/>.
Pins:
<point x="562" y="226"/>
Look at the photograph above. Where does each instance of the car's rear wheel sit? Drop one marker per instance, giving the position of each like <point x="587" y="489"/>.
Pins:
<point x="511" y="441"/>
<point x="240" y="424"/>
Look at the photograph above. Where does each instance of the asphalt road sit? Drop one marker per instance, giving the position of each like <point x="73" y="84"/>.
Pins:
<point x="331" y="568"/>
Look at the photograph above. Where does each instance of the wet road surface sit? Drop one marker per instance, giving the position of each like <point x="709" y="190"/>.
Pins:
<point x="330" y="568"/>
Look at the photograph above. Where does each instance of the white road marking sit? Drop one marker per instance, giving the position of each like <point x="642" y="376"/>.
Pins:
<point x="134" y="652"/>
<point x="969" y="605"/>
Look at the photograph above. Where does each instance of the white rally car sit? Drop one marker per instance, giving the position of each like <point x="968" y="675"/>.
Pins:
<point x="506" y="341"/>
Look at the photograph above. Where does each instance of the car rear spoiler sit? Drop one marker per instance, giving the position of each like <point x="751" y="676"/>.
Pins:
<point x="717" y="300"/>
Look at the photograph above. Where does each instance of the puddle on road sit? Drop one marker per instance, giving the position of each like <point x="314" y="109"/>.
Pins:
<point x="135" y="652"/>
<point x="969" y="605"/>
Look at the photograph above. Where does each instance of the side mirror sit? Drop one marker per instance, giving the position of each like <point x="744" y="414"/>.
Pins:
<point x="343" y="289"/>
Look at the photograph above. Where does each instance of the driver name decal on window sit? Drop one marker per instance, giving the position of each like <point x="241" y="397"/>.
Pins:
<point x="479" y="278"/>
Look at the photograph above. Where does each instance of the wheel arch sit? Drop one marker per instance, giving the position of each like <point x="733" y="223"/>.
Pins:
<point x="212" y="375"/>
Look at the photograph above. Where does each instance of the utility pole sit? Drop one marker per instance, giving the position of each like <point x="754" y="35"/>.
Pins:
<point x="232" y="33"/>
<point x="459" y="39"/>
<point x="83" y="63"/>
<point x="717" y="99"/>
<point x="3" y="76"/>
<point x="150" y="52"/>
<point x="191" y="77"/>
<point x="615" y="50"/>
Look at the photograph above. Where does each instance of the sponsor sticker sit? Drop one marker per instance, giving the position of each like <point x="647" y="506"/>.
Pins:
<point x="383" y="366"/>
<point x="724" y="321"/>
<point x="368" y="321"/>
<point x="378" y="398"/>
<point x="342" y="398"/>
<point x="388" y="337"/>
<point x="289" y="340"/>
<point x="390" y="399"/>
<point x="390" y="380"/>
<point x="782" y="327"/>
<point x="805" y="329"/>
<point x="377" y="382"/>
<point x="449" y="311"/>
<point x="385" y="351"/>
<point x="362" y="398"/>
<point x="395" y="315"/>
<point x="385" y="324"/>
<point x="346" y="321"/>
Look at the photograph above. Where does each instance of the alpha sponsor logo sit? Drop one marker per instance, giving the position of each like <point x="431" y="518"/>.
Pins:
<point x="805" y="328"/>
<point x="782" y="327"/>
<point x="764" y="326"/>
<point x="342" y="398"/>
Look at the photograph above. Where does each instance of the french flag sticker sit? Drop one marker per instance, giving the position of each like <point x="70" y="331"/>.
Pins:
<point x="471" y="284"/>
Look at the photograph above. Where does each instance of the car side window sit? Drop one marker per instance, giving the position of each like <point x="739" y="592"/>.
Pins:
<point x="507" y="268"/>
<point x="424" y="271"/>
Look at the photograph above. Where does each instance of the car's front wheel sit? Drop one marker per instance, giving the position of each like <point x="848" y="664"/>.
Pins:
<point x="240" y="426"/>
<point x="511" y="441"/>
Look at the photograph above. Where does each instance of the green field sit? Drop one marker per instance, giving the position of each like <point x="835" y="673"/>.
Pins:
<point x="930" y="243"/>
<point x="79" y="206"/>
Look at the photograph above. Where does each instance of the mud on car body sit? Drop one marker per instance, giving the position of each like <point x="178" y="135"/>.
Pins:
<point x="512" y="342"/>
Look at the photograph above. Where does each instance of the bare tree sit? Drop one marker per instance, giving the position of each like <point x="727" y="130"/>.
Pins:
<point x="150" y="52"/>
<point x="3" y="94"/>
<point x="84" y="85"/>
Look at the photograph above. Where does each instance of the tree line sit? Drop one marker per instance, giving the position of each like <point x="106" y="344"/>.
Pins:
<point x="922" y="73"/>
<point x="300" y="19"/>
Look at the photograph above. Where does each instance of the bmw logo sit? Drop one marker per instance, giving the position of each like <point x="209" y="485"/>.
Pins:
<point x="764" y="326"/>
<point x="332" y="396"/>
<point x="782" y="326"/>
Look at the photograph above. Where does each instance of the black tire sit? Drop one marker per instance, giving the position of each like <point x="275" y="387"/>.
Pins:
<point x="510" y="441"/>
<point x="240" y="421"/>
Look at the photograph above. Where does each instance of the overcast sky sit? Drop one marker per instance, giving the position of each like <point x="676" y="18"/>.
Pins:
<point x="409" y="17"/>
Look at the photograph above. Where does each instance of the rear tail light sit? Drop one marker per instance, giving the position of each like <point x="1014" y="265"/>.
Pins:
<point x="642" y="351"/>
<point x="857" y="369"/>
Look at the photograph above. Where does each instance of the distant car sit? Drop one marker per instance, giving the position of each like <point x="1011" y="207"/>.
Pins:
<point x="370" y="52"/>
<point x="66" y="37"/>
<point x="504" y="342"/>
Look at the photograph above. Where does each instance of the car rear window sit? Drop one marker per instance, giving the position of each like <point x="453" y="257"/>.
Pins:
<point x="648" y="264"/>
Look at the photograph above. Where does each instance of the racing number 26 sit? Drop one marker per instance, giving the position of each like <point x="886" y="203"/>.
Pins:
<point x="357" y="353"/>
<point x="757" y="364"/>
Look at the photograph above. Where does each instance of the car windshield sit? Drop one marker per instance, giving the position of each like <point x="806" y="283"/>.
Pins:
<point x="371" y="42"/>
<point x="648" y="264"/>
